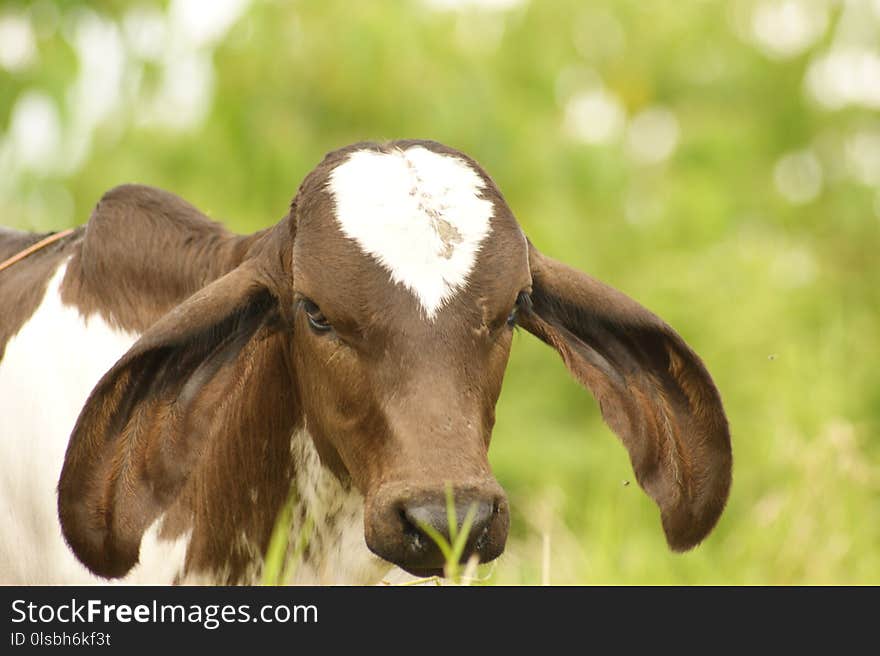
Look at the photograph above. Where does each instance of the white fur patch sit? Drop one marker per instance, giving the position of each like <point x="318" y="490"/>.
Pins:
<point x="159" y="561"/>
<point x="418" y="213"/>
<point x="338" y="552"/>
<point x="48" y="370"/>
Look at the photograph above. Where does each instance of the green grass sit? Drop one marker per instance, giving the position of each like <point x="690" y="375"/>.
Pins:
<point x="286" y="550"/>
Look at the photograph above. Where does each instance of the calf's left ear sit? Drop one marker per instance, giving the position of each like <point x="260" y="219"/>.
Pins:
<point x="653" y="391"/>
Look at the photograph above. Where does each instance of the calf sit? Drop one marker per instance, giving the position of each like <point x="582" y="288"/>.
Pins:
<point x="178" y="383"/>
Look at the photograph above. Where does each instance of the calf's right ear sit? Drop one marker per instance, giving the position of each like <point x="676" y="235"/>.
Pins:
<point x="653" y="391"/>
<point x="187" y="381"/>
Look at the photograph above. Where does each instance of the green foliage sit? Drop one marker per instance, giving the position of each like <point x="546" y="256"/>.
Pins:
<point x="287" y="546"/>
<point x="780" y="297"/>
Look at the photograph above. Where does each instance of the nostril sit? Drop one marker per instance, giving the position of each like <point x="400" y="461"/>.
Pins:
<point x="413" y="537"/>
<point x="484" y="513"/>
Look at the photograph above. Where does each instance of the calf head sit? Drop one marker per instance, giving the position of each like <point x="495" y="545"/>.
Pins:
<point x="378" y="317"/>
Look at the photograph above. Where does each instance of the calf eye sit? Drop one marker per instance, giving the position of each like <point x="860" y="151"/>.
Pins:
<point x="317" y="321"/>
<point x="523" y="300"/>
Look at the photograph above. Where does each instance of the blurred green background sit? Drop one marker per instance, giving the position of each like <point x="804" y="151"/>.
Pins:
<point x="719" y="162"/>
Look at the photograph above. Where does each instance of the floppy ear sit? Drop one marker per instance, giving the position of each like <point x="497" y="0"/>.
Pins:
<point x="148" y="420"/>
<point x="653" y="391"/>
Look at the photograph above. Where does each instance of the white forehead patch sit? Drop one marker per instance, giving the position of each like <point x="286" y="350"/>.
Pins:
<point x="418" y="213"/>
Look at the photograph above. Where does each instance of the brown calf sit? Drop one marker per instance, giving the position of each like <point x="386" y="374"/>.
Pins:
<point x="353" y="352"/>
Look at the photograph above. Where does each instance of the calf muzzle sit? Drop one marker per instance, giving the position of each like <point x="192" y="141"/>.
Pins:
<point x="404" y="523"/>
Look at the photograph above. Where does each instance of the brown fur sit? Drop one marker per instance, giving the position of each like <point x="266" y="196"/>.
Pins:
<point x="144" y="251"/>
